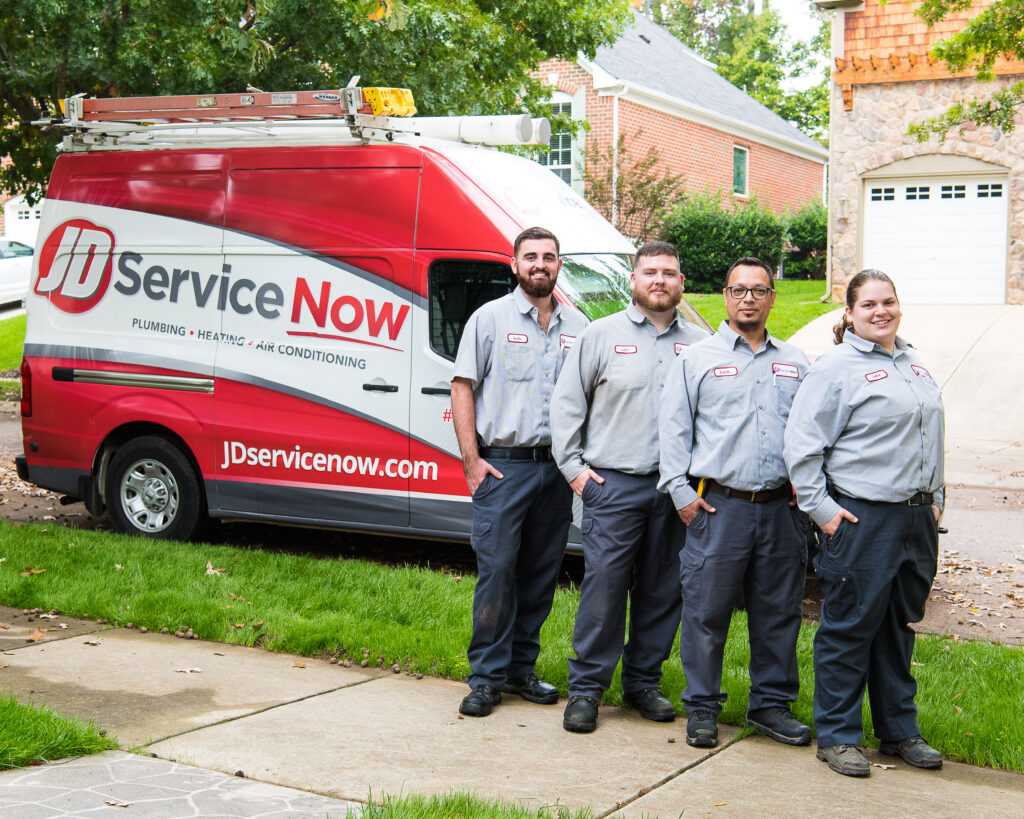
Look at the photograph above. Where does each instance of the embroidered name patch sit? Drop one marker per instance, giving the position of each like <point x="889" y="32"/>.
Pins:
<point x="786" y="370"/>
<point x="921" y="371"/>
<point x="679" y="347"/>
<point x="566" y="342"/>
<point x="877" y="375"/>
<point x="517" y="338"/>
<point x="625" y="349"/>
<point x="722" y="372"/>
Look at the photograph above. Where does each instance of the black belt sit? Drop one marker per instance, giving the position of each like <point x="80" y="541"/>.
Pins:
<point x="516" y="453"/>
<point x="917" y="499"/>
<point x="784" y="491"/>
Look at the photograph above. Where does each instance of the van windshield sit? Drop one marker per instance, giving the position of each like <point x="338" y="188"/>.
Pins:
<point x="598" y="283"/>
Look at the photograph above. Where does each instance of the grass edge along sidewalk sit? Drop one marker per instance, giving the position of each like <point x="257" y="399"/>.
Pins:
<point x="418" y="620"/>
<point x="30" y="733"/>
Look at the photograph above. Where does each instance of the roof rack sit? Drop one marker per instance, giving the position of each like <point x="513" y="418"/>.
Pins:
<point x="364" y="114"/>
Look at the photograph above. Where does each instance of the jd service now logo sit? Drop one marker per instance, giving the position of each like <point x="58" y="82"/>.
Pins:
<point x="75" y="265"/>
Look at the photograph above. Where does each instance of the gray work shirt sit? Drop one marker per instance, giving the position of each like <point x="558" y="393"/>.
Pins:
<point x="513" y="365"/>
<point x="723" y="413"/>
<point x="869" y="422"/>
<point x="605" y="406"/>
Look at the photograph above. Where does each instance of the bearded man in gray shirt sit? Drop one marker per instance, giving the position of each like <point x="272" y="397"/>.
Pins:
<point x="509" y="357"/>
<point x="605" y="442"/>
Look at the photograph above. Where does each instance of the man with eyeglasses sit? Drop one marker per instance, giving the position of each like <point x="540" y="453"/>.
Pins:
<point x="723" y="414"/>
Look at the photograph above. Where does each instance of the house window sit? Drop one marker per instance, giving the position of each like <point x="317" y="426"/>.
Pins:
<point x="740" y="158"/>
<point x="559" y="158"/>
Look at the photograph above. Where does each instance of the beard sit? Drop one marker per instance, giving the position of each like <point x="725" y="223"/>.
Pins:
<point x="745" y="326"/>
<point x="659" y="303"/>
<point x="538" y="288"/>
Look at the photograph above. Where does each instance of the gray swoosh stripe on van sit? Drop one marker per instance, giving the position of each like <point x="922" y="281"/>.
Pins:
<point x="140" y="359"/>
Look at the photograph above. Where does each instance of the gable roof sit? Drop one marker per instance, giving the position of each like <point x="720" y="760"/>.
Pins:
<point x="647" y="58"/>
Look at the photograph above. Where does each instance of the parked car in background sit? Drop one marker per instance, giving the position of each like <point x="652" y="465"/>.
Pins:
<point x="15" y="270"/>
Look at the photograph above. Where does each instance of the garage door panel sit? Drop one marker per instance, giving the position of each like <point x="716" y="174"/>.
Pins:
<point x="941" y="240"/>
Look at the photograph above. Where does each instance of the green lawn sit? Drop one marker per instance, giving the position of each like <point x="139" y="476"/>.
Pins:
<point x="12" y="339"/>
<point x="796" y="303"/>
<point x="29" y="733"/>
<point x="457" y="806"/>
<point x="419" y="619"/>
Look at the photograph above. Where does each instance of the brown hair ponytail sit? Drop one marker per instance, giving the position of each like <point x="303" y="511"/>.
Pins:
<point x="840" y="329"/>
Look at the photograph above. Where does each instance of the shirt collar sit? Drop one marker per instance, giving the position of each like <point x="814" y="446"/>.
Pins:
<point x="732" y="338"/>
<point x="524" y="305"/>
<point x="865" y="346"/>
<point x="634" y="314"/>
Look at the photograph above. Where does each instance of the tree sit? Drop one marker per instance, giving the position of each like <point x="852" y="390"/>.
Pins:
<point x="641" y="195"/>
<point x="997" y="31"/>
<point x="464" y="56"/>
<point x="752" y="51"/>
<point x="710" y="238"/>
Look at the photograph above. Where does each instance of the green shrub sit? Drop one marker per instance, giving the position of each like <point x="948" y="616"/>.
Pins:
<point x="709" y="238"/>
<point x="807" y="230"/>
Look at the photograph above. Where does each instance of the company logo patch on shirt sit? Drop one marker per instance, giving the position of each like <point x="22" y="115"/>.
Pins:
<point x="566" y="342"/>
<point x="877" y="375"/>
<point x="625" y="349"/>
<point x="679" y="347"/>
<point x="722" y="372"/>
<point x="786" y="370"/>
<point x="517" y="338"/>
<point x="921" y="371"/>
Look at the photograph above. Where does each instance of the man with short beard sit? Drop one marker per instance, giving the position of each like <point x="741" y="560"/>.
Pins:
<point x="723" y="413"/>
<point x="509" y="357"/>
<point x="605" y="441"/>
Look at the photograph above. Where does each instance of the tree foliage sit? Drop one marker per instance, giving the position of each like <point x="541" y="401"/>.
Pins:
<point x="458" y="56"/>
<point x="710" y="238"/>
<point x="753" y="51"/>
<point x="807" y="232"/>
<point x="643" y="190"/>
<point x="996" y="31"/>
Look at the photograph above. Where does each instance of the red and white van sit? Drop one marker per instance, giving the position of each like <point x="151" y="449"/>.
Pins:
<point x="258" y="319"/>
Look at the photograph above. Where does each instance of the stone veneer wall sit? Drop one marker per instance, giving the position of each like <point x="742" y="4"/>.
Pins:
<point x="873" y="134"/>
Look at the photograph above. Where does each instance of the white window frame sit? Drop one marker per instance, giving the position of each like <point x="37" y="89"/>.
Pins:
<point x="746" y="171"/>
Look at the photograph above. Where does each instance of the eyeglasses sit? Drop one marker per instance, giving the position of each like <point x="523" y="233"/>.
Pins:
<point x="760" y="293"/>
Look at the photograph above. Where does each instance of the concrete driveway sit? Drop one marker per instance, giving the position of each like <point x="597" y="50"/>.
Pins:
<point x="975" y="355"/>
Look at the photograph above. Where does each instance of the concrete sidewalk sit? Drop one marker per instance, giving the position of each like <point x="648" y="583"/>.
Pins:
<point x="974" y="354"/>
<point x="311" y="739"/>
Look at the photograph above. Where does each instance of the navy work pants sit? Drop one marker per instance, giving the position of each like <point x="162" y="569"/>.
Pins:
<point x="631" y="541"/>
<point x="875" y="575"/>
<point x="761" y="550"/>
<point x="520" y="528"/>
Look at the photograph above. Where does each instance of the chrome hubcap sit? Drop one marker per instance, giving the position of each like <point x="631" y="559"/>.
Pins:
<point x="149" y="495"/>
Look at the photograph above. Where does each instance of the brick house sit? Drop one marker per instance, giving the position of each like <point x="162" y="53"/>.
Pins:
<point x="945" y="219"/>
<point x="654" y="90"/>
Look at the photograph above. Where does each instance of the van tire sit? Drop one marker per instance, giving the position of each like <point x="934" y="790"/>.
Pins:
<point x="153" y="490"/>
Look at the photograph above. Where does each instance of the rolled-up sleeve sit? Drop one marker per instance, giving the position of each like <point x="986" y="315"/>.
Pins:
<point x="675" y="433"/>
<point x="818" y="416"/>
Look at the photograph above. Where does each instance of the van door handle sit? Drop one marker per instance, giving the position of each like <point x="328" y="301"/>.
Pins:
<point x="380" y="387"/>
<point x="436" y="390"/>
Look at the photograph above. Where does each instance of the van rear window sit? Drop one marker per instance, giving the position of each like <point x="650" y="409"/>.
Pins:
<point x="456" y="288"/>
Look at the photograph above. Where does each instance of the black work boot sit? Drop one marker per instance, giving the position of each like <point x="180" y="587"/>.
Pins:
<point x="580" y="715"/>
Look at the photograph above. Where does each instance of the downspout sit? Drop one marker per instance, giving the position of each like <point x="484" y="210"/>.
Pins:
<point x="616" y="93"/>
<point x="838" y="47"/>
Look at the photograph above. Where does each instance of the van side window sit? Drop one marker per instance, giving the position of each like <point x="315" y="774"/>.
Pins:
<point x="456" y="288"/>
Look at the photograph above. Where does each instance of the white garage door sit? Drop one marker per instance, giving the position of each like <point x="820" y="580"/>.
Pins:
<point x="941" y="239"/>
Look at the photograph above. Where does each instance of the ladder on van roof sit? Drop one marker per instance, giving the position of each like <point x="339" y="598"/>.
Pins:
<point x="197" y="120"/>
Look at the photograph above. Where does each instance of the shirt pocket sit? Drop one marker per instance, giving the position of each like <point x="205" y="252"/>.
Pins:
<point x="516" y="361"/>
<point x="627" y="373"/>
<point x="783" y="391"/>
<point x="723" y="396"/>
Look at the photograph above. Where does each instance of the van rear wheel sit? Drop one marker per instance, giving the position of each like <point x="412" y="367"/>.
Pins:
<point x="153" y="490"/>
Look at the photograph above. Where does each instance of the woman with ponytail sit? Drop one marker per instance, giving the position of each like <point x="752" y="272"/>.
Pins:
<point x="863" y="446"/>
